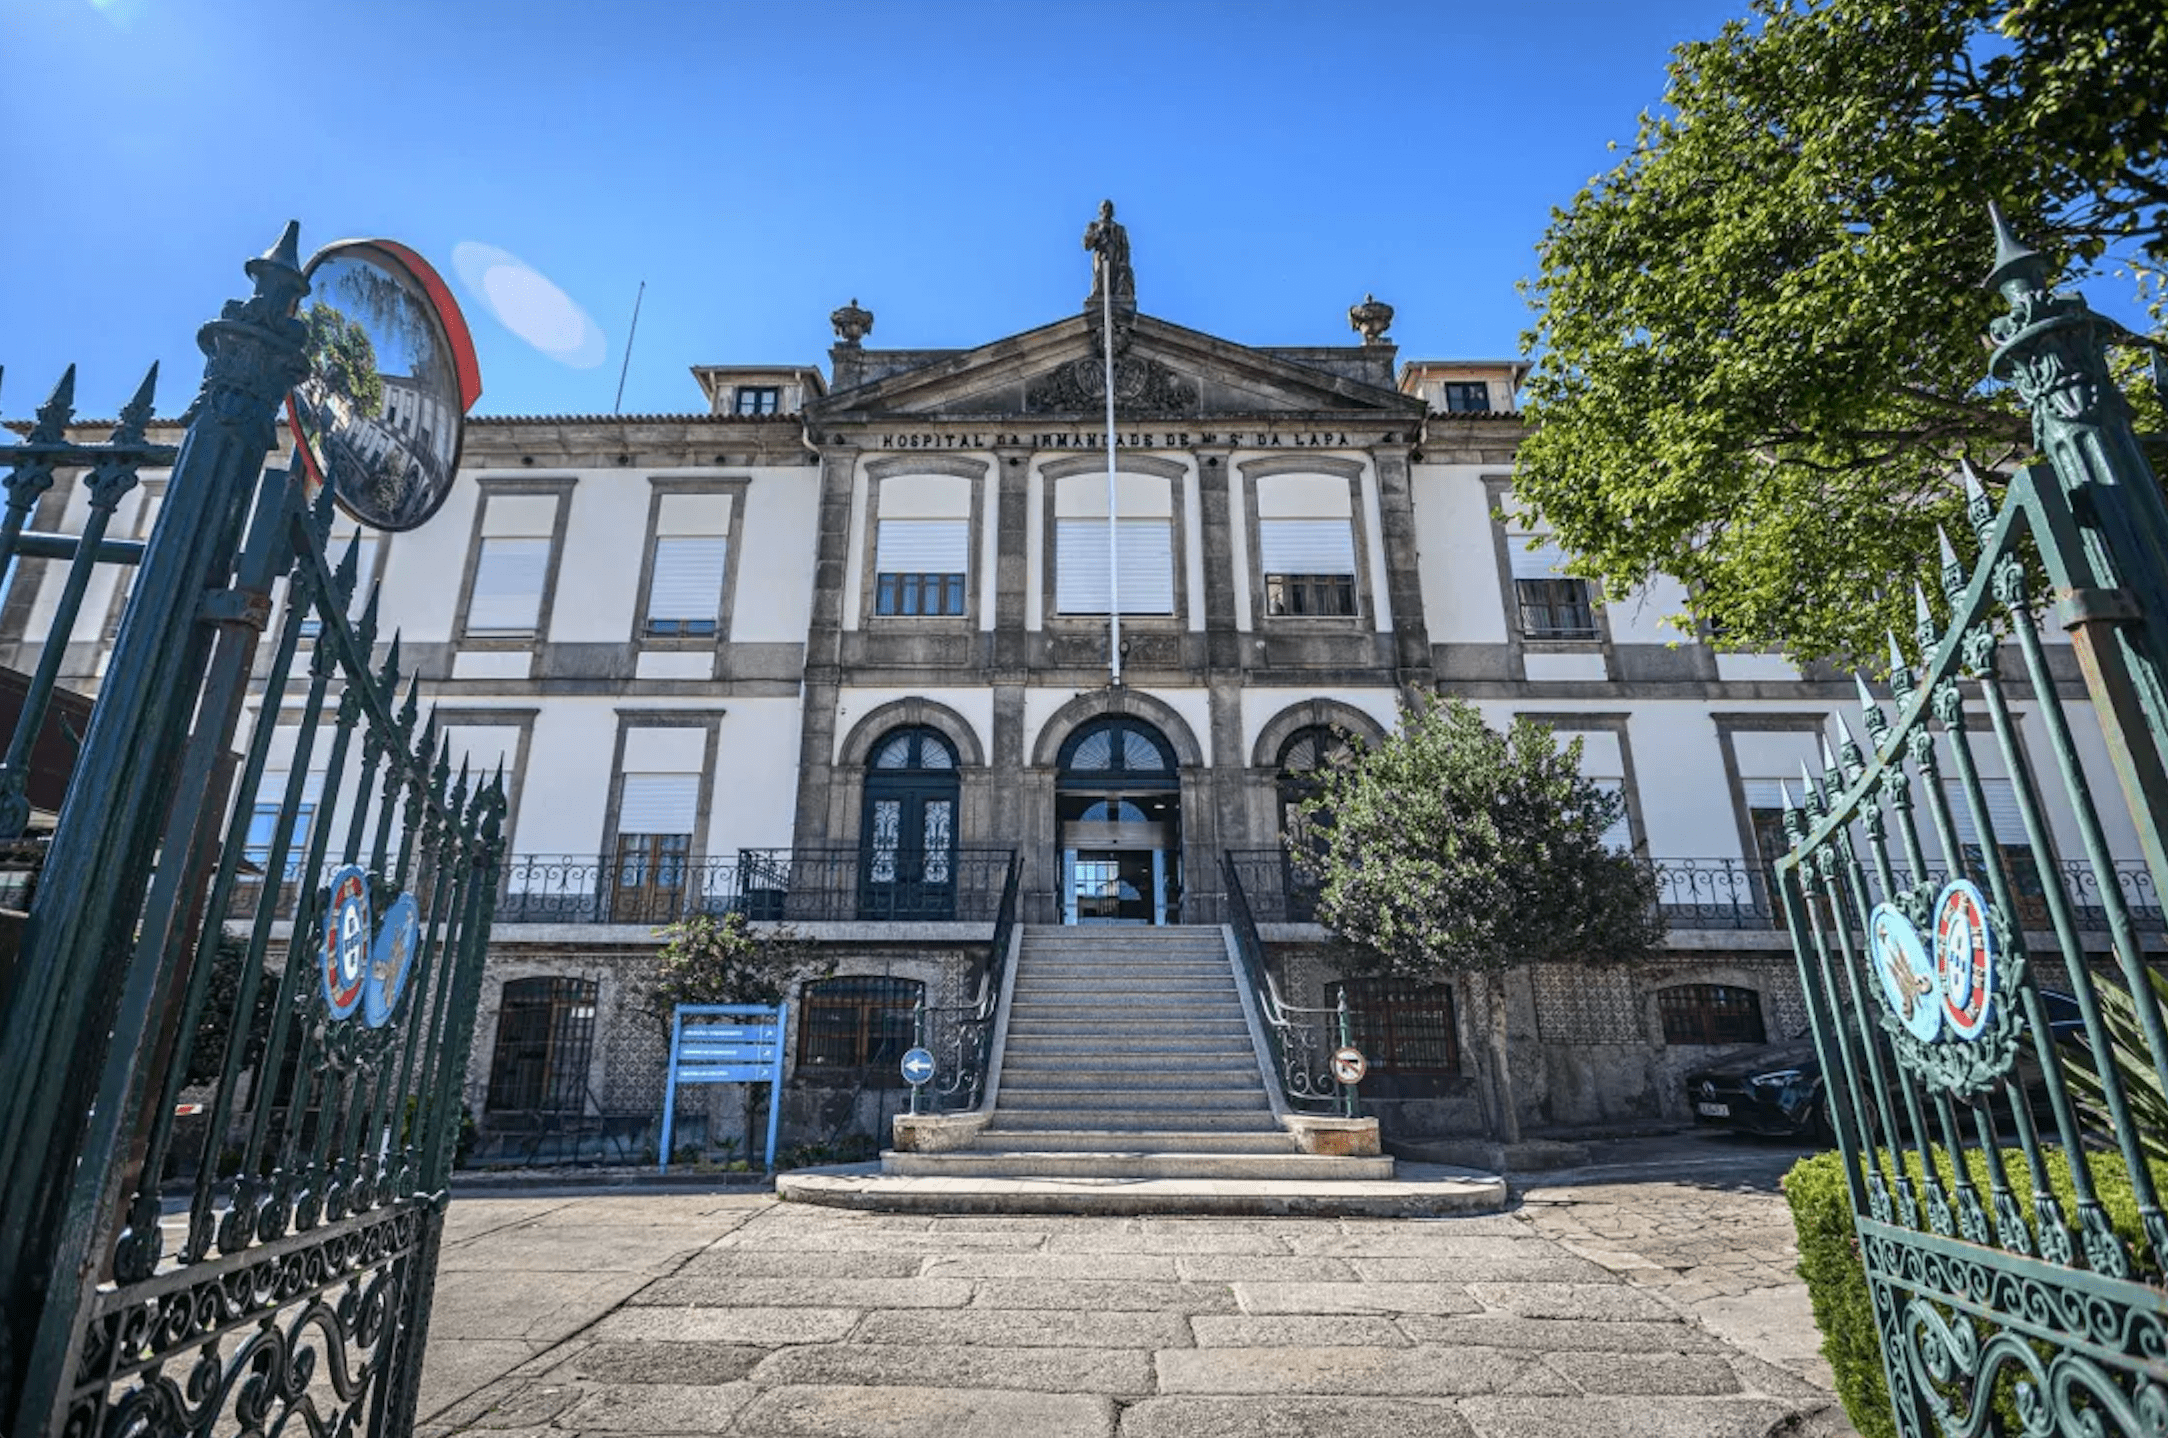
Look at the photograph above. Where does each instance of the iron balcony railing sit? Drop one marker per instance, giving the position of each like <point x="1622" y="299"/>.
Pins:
<point x="838" y="883"/>
<point x="1726" y="893"/>
<point x="844" y="882"/>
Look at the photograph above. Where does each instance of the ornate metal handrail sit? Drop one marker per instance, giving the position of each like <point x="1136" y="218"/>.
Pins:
<point x="595" y="889"/>
<point x="1301" y="1039"/>
<point x="960" y="1036"/>
<point x="846" y="883"/>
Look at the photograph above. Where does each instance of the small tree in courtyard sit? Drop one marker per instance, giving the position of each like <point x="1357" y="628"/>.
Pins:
<point x="709" y="960"/>
<point x="1451" y="849"/>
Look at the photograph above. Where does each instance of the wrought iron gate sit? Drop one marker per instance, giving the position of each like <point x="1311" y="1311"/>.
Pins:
<point x="309" y="964"/>
<point x="2006" y="1143"/>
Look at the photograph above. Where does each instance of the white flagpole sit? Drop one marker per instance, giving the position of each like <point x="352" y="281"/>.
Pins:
<point x="1114" y="571"/>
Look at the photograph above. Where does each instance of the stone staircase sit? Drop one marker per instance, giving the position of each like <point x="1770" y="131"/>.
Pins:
<point x="1128" y="1057"/>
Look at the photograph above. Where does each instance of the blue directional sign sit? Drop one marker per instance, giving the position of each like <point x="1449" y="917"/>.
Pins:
<point x="726" y="1043"/>
<point x="917" y="1067"/>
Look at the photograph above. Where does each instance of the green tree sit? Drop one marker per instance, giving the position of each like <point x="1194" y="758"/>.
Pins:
<point x="1758" y="339"/>
<point x="1450" y="849"/>
<point x="221" y="999"/>
<point x="339" y="349"/>
<point x="710" y="960"/>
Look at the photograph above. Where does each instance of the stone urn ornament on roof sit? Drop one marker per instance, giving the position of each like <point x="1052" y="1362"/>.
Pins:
<point x="1372" y="318"/>
<point x="852" y="323"/>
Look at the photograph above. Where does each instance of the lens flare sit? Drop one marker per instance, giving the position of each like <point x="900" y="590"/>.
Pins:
<point x="524" y="301"/>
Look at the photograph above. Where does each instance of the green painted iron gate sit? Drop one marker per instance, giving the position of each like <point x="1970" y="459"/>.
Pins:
<point x="1990" y="1017"/>
<point x="302" y="964"/>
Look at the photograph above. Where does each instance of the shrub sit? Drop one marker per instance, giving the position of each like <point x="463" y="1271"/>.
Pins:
<point x="1836" y="1279"/>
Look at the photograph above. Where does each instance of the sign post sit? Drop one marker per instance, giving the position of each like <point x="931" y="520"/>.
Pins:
<point x="725" y="1043"/>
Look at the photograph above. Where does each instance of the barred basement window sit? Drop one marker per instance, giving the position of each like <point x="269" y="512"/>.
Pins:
<point x="857" y="1023"/>
<point x="545" y="1035"/>
<point x="1401" y="1027"/>
<point x="1711" y="1014"/>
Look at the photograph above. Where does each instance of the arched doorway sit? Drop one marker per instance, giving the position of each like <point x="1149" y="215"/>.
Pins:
<point x="907" y="838"/>
<point x="1118" y="806"/>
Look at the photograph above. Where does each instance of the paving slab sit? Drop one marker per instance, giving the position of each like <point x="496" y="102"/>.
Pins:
<point x="1355" y="1298"/>
<point x="996" y="1327"/>
<point x="1293" y="1417"/>
<point x="767" y="1326"/>
<point x="1122" y="1371"/>
<point x="886" y="1412"/>
<point x="1241" y="1330"/>
<point x="1105" y="1295"/>
<point x="652" y="1361"/>
<point x="1518" y="1416"/>
<point x="657" y="1407"/>
<point x="712" y="1290"/>
<point x="1335" y="1369"/>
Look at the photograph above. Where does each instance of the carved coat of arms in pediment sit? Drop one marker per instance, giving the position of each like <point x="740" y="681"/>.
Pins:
<point x="1141" y="386"/>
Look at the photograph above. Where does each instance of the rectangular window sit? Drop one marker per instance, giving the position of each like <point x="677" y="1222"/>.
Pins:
<point x="1401" y="1027"/>
<point x="365" y="552"/>
<point x="2007" y="826"/>
<point x="263" y="822"/>
<point x="756" y="399"/>
<point x="1711" y="1014"/>
<point x="1553" y="605"/>
<point x="690" y="563"/>
<point x="511" y="569"/>
<point x="1467" y="397"/>
<point x="545" y="1037"/>
<point x="1309" y="566"/>
<point x="857" y="1023"/>
<point x="1144" y="548"/>
<point x="920" y="566"/>
<point x="658" y="808"/>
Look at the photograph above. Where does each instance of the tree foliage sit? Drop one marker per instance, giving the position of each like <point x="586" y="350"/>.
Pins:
<point x="340" y="349"/>
<point x="709" y="960"/>
<point x="221" y="1000"/>
<point x="1758" y="344"/>
<point x="1452" y="848"/>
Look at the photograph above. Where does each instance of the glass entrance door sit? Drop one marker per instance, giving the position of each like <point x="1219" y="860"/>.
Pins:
<point x="1114" y="886"/>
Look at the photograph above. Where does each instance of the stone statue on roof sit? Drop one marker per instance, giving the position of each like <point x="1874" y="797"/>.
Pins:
<point x="1109" y="243"/>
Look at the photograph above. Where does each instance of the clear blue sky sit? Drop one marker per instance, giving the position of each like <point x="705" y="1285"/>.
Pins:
<point x="759" y="164"/>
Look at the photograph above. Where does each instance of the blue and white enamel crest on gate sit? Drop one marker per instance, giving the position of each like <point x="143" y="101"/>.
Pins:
<point x="391" y="961"/>
<point x="347" y="933"/>
<point x="1906" y="972"/>
<point x="1964" y="959"/>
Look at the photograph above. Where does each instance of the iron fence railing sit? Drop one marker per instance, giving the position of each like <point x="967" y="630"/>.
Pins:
<point x="591" y="889"/>
<point x="845" y="882"/>
<point x="1302" y="1039"/>
<point x="960" y="1037"/>
<point x="1731" y="893"/>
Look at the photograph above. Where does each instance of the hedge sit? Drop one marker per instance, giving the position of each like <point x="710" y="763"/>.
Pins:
<point x="1837" y="1282"/>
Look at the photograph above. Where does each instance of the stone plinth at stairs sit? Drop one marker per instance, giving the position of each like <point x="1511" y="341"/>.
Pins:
<point x="1128" y="1078"/>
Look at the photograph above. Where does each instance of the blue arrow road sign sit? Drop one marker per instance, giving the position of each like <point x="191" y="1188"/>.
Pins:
<point x="917" y="1067"/>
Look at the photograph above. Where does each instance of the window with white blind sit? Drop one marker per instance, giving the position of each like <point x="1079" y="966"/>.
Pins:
<point x="922" y="566"/>
<point x="1306" y="543"/>
<point x="691" y="560"/>
<point x="1552" y="603"/>
<point x="1144" y="555"/>
<point x="512" y="567"/>
<point x="658" y="809"/>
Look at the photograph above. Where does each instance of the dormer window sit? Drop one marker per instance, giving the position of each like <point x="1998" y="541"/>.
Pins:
<point x="755" y="399"/>
<point x="1467" y="397"/>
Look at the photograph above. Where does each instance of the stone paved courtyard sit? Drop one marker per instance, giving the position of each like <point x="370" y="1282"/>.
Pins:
<point x="684" y="1313"/>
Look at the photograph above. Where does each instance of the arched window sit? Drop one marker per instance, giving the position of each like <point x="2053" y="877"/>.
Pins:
<point x="907" y="845"/>
<point x="915" y="748"/>
<point x="1711" y="1014"/>
<point x="545" y="1036"/>
<point x="1401" y="1027"/>
<point x="1307" y="752"/>
<point x="857" y="1023"/>
<point x="1120" y="752"/>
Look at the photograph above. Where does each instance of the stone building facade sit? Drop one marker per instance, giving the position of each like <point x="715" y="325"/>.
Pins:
<point x="835" y="650"/>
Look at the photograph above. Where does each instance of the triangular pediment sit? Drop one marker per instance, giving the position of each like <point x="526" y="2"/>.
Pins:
<point x="1162" y="371"/>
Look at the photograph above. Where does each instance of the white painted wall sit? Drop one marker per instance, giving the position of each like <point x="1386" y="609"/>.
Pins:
<point x="1456" y="556"/>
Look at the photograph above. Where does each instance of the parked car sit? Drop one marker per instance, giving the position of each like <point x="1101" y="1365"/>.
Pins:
<point x="1777" y="1089"/>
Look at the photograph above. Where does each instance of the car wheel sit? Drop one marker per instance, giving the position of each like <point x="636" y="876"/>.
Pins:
<point x="1819" y="1128"/>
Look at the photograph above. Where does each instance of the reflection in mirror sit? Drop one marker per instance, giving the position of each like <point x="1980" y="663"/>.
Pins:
<point x="380" y="410"/>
